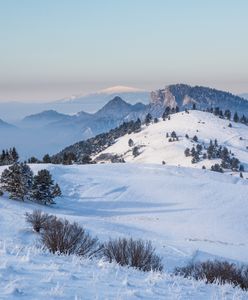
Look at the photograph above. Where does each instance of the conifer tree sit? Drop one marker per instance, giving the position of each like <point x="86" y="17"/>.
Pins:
<point x="43" y="188"/>
<point x="148" y="119"/>
<point x="46" y="159"/>
<point x="236" y="117"/>
<point x="130" y="143"/>
<point x="17" y="181"/>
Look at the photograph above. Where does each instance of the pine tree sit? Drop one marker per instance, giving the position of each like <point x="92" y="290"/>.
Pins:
<point x="135" y="151"/>
<point x="228" y="114"/>
<point x="27" y="177"/>
<point x="137" y="125"/>
<point x="243" y="119"/>
<point x="17" y="181"/>
<point x="236" y="117"/>
<point x="195" y="139"/>
<point x="148" y="119"/>
<point x="43" y="187"/>
<point x="46" y="159"/>
<point x="187" y="152"/>
<point x="14" y="155"/>
<point x="130" y="143"/>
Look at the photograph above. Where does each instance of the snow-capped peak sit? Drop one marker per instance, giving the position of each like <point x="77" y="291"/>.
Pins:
<point x="120" y="89"/>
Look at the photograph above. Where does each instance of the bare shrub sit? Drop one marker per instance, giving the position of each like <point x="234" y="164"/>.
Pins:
<point x="134" y="253"/>
<point x="65" y="238"/>
<point x="38" y="219"/>
<point x="216" y="272"/>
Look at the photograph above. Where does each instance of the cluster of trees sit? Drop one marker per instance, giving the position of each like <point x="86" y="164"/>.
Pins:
<point x="80" y="153"/>
<point x="214" y="151"/>
<point x="172" y="137"/>
<point x="61" y="236"/>
<point x="8" y="157"/>
<point x="227" y="114"/>
<point x="20" y="183"/>
<point x="168" y="111"/>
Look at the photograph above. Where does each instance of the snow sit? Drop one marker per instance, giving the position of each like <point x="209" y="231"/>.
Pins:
<point x="188" y="214"/>
<point x="120" y="89"/>
<point x="155" y="147"/>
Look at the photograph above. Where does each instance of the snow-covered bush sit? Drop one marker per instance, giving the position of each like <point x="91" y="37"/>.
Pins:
<point x="134" y="253"/>
<point x="65" y="238"/>
<point x="38" y="219"/>
<point x="216" y="272"/>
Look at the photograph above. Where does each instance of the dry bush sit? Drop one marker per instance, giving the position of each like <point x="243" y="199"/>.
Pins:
<point x="38" y="219"/>
<point x="216" y="272"/>
<point x="134" y="253"/>
<point x="65" y="238"/>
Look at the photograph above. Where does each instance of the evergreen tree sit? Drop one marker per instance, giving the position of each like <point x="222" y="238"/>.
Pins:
<point x="130" y="143"/>
<point x="228" y="114"/>
<point x="137" y="125"/>
<point x="187" y="152"/>
<point x="199" y="148"/>
<point x="46" y="159"/>
<point x="173" y="134"/>
<point x="85" y="159"/>
<point x="27" y="177"/>
<point x="217" y="168"/>
<point x="243" y="119"/>
<point x="167" y="110"/>
<point x="135" y="151"/>
<point x="216" y="111"/>
<point x="43" y="187"/>
<point x="14" y="155"/>
<point x="148" y="119"/>
<point x="234" y="164"/>
<point x="164" y="115"/>
<point x="17" y="181"/>
<point x="195" y="139"/>
<point x="236" y="117"/>
<point x="33" y="160"/>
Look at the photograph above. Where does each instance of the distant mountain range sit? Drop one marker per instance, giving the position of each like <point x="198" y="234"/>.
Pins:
<point x="49" y="131"/>
<point x="5" y="125"/>
<point x="92" y="102"/>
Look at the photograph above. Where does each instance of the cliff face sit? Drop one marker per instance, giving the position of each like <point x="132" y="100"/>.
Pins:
<point x="184" y="96"/>
<point x="163" y="97"/>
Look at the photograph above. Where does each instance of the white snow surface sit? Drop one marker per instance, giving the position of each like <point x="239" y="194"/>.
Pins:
<point x="156" y="148"/>
<point x="188" y="214"/>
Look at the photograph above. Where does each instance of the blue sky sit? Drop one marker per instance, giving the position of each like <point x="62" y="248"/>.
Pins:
<point x="54" y="48"/>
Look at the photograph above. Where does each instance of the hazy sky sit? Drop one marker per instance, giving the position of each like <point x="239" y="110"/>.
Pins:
<point x="50" y="49"/>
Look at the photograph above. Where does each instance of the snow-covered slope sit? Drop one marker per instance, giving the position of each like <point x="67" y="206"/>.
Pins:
<point x="188" y="214"/>
<point x="155" y="146"/>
